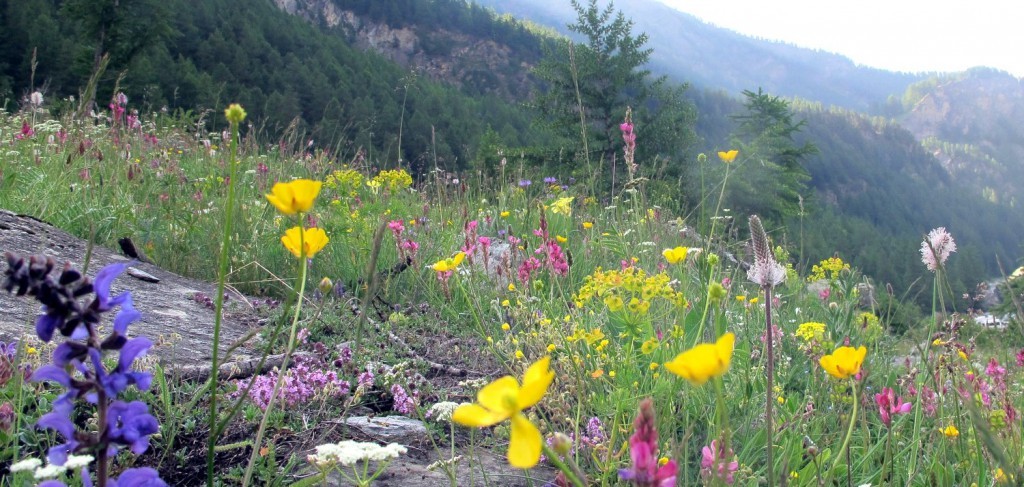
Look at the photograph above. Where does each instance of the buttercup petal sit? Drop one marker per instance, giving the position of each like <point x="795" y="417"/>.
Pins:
<point x="476" y="416"/>
<point x="496" y="396"/>
<point x="524" y="443"/>
<point x="536" y="381"/>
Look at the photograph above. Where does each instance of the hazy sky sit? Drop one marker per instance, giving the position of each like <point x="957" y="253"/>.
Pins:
<point x="899" y="35"/>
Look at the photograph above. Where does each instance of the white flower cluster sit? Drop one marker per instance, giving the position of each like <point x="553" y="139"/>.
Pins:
<point x="348" y="453"/>
<point x="50" y="471"/>
<point x="442" y="411"/>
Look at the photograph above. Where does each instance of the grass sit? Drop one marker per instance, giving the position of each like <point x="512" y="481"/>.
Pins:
<point x="610" y="320"/>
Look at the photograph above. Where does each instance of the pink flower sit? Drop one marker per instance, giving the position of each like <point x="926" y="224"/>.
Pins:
<point x="935" y="249"/>
<point x="714" y="462"/>
<point x="889" y="405"/>
<point x="643" y="446"/>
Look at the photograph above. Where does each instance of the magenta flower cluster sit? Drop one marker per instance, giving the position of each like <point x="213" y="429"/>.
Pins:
<point x="306" y="380"/>
<point x="643" y="448"/>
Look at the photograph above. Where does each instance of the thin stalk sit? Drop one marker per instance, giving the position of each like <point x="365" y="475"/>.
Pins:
<point x="284" y="363"/>
<point x="560" y="465"/>
<point x="849" y="433"/>
<point x="770" y="391"/>
<point x="222" y="272"/>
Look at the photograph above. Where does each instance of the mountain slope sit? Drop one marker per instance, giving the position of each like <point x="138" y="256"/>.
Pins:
<point x="689" y="50"/>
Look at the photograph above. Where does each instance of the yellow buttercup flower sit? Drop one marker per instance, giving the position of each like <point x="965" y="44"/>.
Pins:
<point x="304" y="243"/>
<point x="295" y="196"/>
<point x="704" y="361"/>
<point x="449" y="264"/>
<point x="728" y="157"/>
<point x="505" y="399"/>
<point x="561" y="239"/>
<point x="676" y="255"/>
<point x="504" y="214"/>
<point x="844" y="362"/>
<point x="951" y="431"/>
<point x="588" y="225"/>
<point x="562" y="206"/>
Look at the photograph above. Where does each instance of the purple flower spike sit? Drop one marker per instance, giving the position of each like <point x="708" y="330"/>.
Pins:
<point x="131" y="424"/>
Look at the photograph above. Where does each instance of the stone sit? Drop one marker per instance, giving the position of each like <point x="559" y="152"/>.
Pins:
<point x="390" y="429"/>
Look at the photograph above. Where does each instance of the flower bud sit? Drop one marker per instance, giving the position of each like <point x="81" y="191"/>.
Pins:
<point x="702" y="158"/>
<point x="561" y="444"/>
<point x="234" y="113"/>
<point x="326" y="286"/>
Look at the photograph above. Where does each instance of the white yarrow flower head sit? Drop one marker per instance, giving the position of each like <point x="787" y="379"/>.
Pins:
<point x="26" y="465"/>
<point x="78" y="461"/>
<point x="766" y="271"/>
<point x="48" y="472"/>
<point x="347" y="453"/>
<point x="442" y="411"/>
<point x="935" y="249"/>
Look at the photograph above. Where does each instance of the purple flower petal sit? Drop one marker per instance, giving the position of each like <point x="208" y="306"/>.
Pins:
<point x="46" y="325"/>
<point x="68" y="351"/>
<point x="127" y="315"/>
<point x="135" y="348"/>
<point x="104" y="278"/>
<point x="139" y="477"/>
<point x="52" y="373"/>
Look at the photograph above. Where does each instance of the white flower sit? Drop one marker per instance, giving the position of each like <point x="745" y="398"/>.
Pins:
<point x="78" y="461"/>
<point x="26" y="465"/>
<point x="442" y="411"/>
<point x="36" y="99"/>
<point x="348" y="453"/>
<point x="48" y="472"/>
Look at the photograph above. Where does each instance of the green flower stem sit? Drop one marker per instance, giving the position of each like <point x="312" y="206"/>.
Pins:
<point x="849" y="433"/>
<point x="222" y="272"/>
<point x="770" y="388"/>
<point x="287" y="355"/>
<point x="559" y="464"/>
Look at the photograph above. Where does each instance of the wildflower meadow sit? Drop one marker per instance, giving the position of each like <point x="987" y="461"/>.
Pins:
<point x="580" y="337"/>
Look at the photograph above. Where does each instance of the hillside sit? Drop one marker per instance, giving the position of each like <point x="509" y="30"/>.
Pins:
<point x="689" y="50"/>
<point x="973" y="123"/>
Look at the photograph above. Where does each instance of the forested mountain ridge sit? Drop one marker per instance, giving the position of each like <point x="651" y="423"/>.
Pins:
<point x="973" y="123"/>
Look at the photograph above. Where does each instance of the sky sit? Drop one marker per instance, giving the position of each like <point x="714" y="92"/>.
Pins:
<point x="897" y="35"/>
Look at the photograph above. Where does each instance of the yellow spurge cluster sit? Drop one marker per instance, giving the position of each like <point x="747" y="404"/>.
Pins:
<point x="629" y="288"/>
<point x="346" y="181"/>
<point x="391" y="179"/>
<point x="562" y="206"/>
<point x="828" y="269"/>
<point x="296" y="198"/>
<point x="812" y="330"/>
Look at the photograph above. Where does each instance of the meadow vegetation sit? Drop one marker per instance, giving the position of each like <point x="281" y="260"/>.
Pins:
<point x="606" y="336"/>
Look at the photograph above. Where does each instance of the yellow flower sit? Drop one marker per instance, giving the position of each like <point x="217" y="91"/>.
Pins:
<point x="654" y="365"/>
<point x="562" y="205"/>
<point x="234" y="113"/>
<point x="519" y="354"/>
<point x="704" y="361"/>
<point x="505" y="327"/>
<point x="505" y="399"/>
<point x="295" y="196"/>
<point x="505" y="214"/>
<point x="304" y="243"/>
<point x="31" y="350"/>
<point x="728" y="157"/>
<point x="561" y="239"/>
<point x="511" y="286"/>
<point x="588" y="225"/>
<point x="963" y="356"/>
<point x="951" y="431"/>
<point x="844" y="362"/>
<point x="676" y="255"/>
<point x="449" y="264"/>
<point x="611" y="374"/>
<point x="597" y="373"/>
<point x="551" y="347"/>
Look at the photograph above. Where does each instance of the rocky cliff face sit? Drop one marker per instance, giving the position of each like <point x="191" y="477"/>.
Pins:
<point x="973" y="123"/>
<point x="476" y="64"/>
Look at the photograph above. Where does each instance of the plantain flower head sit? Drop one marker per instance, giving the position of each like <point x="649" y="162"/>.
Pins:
<point x="506" y="398"/>
<point x="304" y="243"/>
<point x="936" y="248"/>
<point x="704" y="361"/>
<point x="844" y="362"/>
<point x="294" y="196"/>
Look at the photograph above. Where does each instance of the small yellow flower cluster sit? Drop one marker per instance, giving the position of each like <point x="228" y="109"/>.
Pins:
<point x="346" y="181"/>
<point x="392" y="179"/>
<point x="811" y="330"/>
<point x="631" y="288"/>
<point x="828" y="268"/>
<point x="562" y="206"/>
